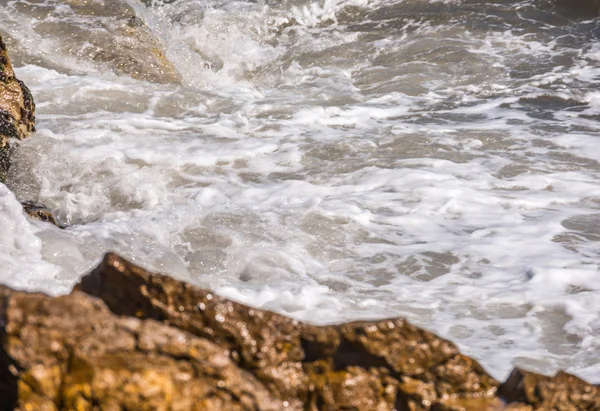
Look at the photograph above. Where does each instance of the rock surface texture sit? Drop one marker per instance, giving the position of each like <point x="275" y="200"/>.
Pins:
<point x="129" y="339"/>
<point x="17" y="110"/>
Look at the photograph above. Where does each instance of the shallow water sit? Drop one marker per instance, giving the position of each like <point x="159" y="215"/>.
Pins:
<point x="330" y="160"/>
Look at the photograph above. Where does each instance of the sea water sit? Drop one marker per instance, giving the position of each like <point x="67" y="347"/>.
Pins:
<point x="330" y="160"/>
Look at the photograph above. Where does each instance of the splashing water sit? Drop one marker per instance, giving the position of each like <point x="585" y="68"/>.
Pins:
<point x="330" y="160"/>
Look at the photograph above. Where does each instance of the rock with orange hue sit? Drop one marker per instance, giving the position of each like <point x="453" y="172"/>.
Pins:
<point x="302" y="364"/>
<point x="561" y="392"/>
<point x="126" y="338"/>
<point x="72" y="353"/>
<point x="17" y="110"/>
<point x="41" y="213"/>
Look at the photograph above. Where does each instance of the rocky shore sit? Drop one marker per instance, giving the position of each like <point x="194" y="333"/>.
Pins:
<point x="128" y="339"/>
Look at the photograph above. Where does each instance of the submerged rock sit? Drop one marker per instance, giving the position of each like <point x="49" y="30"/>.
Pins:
<point x="129" y="339"/>
<point x="17" y="110"/>
<point x="17" y="121"/>
<point x="40" y="212"/>
<point x="107" y="33"/>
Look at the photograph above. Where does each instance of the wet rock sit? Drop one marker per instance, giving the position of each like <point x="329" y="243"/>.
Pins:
<point x="129" y="339"/>
<point x="40" y="212"/>
<point x="539" y="392"/>
<point x="17" y="110"/>
<point x="108" y="33"/>
<point x="72" y="353"/>
<point x="389" y="363"/>
<point x="157" y="2"/>
<point x="17" y="121"/>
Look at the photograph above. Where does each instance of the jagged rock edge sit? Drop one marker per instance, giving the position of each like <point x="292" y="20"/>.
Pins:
<point x="323" y="360"/>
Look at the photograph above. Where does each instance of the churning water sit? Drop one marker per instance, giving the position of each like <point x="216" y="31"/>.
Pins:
<point x="327" y="159"/>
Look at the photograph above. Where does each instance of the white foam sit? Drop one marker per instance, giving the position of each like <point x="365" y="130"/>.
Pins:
<point x="23" y="266"/>
<point x="334" y="169"/>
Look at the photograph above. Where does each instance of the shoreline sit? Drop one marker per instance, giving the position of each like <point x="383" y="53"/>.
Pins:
<point x="126" y="337"/>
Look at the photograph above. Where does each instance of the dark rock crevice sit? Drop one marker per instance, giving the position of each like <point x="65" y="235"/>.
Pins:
<point x="8" y="377"/>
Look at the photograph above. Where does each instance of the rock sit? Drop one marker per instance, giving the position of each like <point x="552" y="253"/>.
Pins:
<point x="108" y="33"/>
<point x="17" y="110"/>
<point x="40" y="212"/>
<point x="301" y="363"/>
<point x="72" y="353"/>
<point x="561" y="392"/>
<point x="129" y="339"/>
<point x="17" y="121"/>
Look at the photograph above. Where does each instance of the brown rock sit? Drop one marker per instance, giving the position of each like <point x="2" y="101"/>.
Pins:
<point x="40" y="212"/>
<point x="129" y="339"/>
<point x="17" y="110"/>
<point x="298" y="362"/>
<point x="563" y="392"/>
<point x="72" y="353"/>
